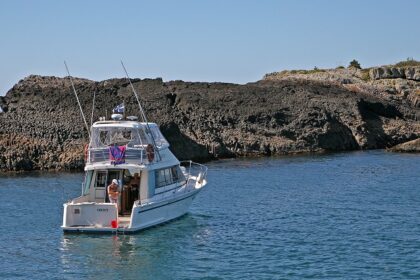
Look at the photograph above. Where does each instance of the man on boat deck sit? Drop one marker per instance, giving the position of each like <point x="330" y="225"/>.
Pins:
<point x="113" y="191"/>
<point x="134" y="186"/>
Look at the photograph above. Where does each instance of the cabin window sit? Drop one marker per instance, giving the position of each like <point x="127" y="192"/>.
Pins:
<point x="88" y="180"/>
<point x="177" y="175"/>
<point x="101" y="179"/>
<point x="158" y="137"/>
<point x="115" y="136"/>
<point x="103" y="138"/>
<point x="160" y="178"/>
<point x="168" y="176"/>
<point x="142" y="136"/>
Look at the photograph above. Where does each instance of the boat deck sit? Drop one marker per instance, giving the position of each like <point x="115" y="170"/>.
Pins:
<point x="123" y="221"/>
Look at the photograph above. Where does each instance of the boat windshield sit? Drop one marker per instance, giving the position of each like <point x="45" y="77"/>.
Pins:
<point x="106" y="136"/>
<point x="158" y="136"/>
<point x="133" y="137"/>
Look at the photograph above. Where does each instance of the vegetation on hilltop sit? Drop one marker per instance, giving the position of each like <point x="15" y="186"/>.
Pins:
<point x="355" y="64"/>
<point x="409" y="62"/>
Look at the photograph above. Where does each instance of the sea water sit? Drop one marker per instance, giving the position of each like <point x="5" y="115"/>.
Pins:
<point x="339" y="216"/>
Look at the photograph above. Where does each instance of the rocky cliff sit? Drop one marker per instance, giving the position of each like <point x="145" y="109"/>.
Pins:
<point x="41" y="127"/>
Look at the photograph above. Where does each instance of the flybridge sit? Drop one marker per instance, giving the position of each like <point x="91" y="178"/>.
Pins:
<point x="129" y="133"/>
<point x="122" y="142"/>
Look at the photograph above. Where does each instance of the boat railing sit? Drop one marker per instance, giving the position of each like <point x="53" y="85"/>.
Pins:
<point x="134" y="155"/>
<point x="195" y="173"/>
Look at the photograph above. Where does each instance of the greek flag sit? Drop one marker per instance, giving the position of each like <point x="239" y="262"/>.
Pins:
<point x="119" y="109"/>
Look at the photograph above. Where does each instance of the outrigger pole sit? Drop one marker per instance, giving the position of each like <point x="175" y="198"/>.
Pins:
<point x="93" y="107"/>
<point x="141" y="109"/>
<point x="78" y="102"/>
<point x="135" y="94"/>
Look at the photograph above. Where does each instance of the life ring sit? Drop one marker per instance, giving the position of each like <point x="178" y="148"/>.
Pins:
<point x="150" y="152"/>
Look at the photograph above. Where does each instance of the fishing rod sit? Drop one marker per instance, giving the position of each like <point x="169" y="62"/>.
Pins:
<point x="93" y="107"/>
<point x="135" y="94"/>
<point x="141" y="109"/>
<point x="78" y="102"/>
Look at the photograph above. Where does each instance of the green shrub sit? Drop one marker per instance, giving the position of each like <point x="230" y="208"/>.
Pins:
<point x="354" y="64"/>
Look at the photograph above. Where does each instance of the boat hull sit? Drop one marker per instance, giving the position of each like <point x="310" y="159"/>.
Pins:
<point x="145" y="216"/>
<point x="151" y="215"/>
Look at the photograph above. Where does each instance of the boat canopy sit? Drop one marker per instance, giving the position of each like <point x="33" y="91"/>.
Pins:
<point x="122" y="133"/>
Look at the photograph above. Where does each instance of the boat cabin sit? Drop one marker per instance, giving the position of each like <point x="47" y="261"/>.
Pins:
<point x="135" y="185"/>
<point x="119" y="150"/>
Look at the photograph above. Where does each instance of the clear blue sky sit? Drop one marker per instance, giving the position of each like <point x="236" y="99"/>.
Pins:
<point x="197" y="40"/>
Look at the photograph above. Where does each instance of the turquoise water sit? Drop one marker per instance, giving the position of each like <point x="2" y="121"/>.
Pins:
<point x="340" y="216"/>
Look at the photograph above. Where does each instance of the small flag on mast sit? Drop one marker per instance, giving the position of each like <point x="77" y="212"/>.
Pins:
<point x="119" y="109"/>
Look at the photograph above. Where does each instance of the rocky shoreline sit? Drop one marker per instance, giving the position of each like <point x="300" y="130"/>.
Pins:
<point x="412" y="146"/>
<point x="285" y="113"/>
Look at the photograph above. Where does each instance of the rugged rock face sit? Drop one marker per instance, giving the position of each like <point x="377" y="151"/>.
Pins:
<point x="409" y="73"/>
<point x="41" y="127"/>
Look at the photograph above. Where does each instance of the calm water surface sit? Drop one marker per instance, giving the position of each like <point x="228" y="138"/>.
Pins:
<point x="341" y="216"/>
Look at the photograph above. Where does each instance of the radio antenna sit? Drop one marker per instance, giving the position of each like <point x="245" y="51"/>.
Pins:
<point x="78" y="102"/>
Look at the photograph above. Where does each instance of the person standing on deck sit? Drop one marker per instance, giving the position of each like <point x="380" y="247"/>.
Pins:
<point x="135" y="185"/>
<point x="113" y="191"/>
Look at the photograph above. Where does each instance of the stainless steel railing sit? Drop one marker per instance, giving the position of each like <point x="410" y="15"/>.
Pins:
<point x="137" y="155"/>
<point x="195" y="172"/>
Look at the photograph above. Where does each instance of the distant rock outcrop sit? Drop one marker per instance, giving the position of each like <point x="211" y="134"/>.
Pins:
<point x="329" y="110"/>
<point x="409" y="73"/>
<point x="412" y="146"/>
<point x="401" y="84"/>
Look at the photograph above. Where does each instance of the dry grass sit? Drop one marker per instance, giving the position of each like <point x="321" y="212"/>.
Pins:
<point x="407" y="63"/>
<point x="365" y="74"/>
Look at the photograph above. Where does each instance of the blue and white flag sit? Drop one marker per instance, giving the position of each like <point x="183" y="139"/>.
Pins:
<point x="119" y="109"/>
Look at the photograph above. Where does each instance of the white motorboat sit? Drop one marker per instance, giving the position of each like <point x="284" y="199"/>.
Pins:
<point x="153" y="185"/>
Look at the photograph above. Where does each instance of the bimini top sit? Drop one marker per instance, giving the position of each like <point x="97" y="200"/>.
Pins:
<point x="126" y="133"/>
